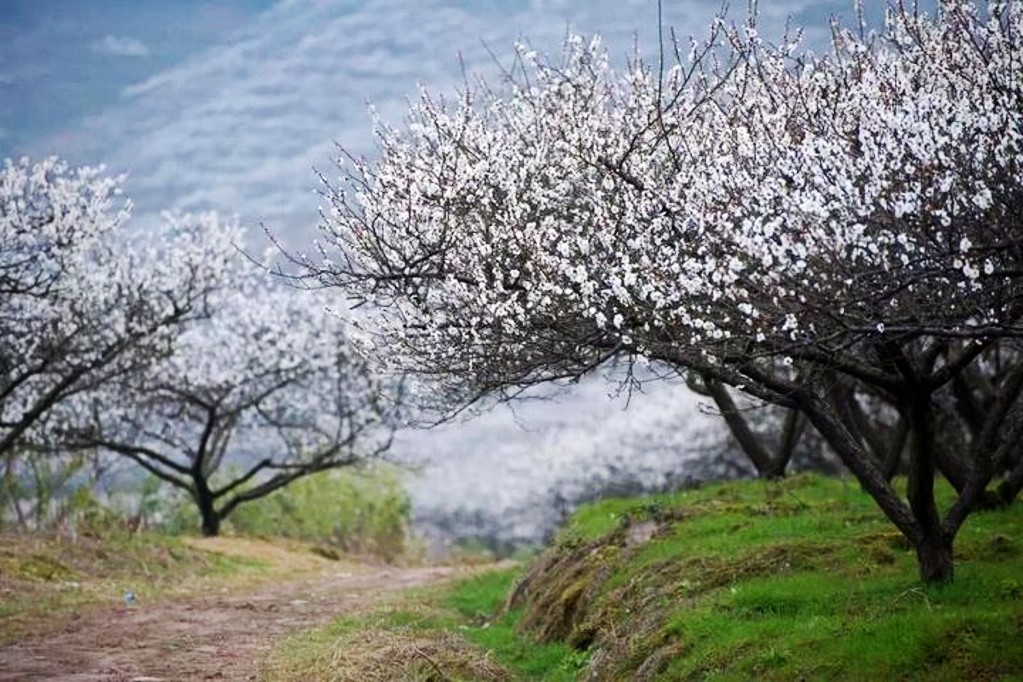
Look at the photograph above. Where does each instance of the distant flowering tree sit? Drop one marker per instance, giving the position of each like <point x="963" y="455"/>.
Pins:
<point x="263" y="392"/>
<point x="80" y="302"/>
<point x="162" y="348"/>
<point x="822" y="232"/>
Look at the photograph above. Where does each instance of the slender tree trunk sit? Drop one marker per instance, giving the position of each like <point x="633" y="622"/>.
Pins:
<point x="893" y="456"/>
<point x="1010" y="461"/>
<point x="10" y="490"/>
<point x="952" y="467"/>
<point x="919" y="521"/>
<point x="768" y="465"/>
<point x="862" y="465"/>
<point x="933" y="550"/>
<point x="1010" y="488"/>
<point x="201" y="471"/>
<point x="792" y="431"/>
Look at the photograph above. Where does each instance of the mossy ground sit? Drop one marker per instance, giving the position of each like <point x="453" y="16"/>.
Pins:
<point x="798" y="579"/>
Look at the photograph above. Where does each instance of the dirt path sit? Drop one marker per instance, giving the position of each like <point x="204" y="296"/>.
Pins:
<point x="221" y="636"/>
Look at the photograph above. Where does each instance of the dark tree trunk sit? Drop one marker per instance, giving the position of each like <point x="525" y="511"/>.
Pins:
<point x="1011" y="462"/>
<point x="919" y="522"/>
<point x="792" y="431"/>
<point x="210" y="524"/>
<point x="1010" y="488"/>
<point x="205" y="501"/>
<point x="953" y="467"/>
<point x="861" y="463"/>
<point x="768" y="465"/>
<point x="893" y="456"/>
<point x="934" y="558"/>
<point x="933" y="551"/>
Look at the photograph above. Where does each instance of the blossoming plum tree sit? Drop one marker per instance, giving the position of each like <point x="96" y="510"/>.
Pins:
<point x="821" y="232"/>
<point x="165" y="349"/>
<point x="81" y="302"/>
<point x="264" y="391"/>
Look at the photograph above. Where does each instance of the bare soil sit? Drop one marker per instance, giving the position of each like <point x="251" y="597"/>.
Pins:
<point x="225" y="635"/>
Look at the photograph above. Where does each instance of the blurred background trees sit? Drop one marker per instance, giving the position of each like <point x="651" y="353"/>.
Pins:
<point x="166" y="350"/>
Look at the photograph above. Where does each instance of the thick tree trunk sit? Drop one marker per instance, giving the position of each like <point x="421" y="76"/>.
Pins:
<point x="210" y="524"/>
<point x="205" y="501"/>
<point x="934" y="558"/>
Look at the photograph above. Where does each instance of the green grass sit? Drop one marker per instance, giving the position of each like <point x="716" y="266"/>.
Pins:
<point x="469" y="609"/>
<point x="798" y="579"/>
<point x="477" y="601"/>
<point x="821" y="625"/>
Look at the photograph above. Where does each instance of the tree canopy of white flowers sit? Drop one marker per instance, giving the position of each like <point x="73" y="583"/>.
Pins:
<point x="80" y="302"/>
<point x="166" y="349"/>
<point x="814" y="230"/>
<point x="264" y="391"/>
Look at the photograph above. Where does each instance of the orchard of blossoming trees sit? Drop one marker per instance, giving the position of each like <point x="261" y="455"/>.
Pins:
<point x="839" y="234"/>
<point x="165" y="349"/>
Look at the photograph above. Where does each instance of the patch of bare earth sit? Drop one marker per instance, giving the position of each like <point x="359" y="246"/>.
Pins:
<point x="213" y="636"/>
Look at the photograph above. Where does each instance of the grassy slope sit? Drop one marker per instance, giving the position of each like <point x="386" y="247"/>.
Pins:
<point x="45" y="579"/>
<point x="802" y="578"/>
<point x="798" y="579"/>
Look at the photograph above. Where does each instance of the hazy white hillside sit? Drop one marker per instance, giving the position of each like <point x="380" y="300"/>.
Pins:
<point x="512" y="474"/>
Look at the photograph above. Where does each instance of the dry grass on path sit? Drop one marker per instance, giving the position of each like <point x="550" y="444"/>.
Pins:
<point x="214" y="612"/>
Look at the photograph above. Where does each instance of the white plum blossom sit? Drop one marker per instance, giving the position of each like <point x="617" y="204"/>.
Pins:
<point x="264" y="391"/>
<point x="807" y="226"/>
<point x="167" y="349"/>
<point x="81" y="301"/>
